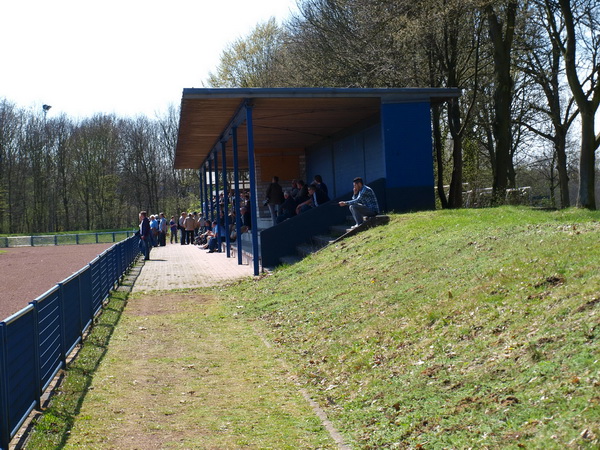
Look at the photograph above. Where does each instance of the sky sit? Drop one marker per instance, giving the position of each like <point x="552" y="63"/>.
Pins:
<point x="128" y="57"/>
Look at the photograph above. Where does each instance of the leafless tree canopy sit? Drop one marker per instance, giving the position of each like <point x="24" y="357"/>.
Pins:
<point x="529" y="73"/>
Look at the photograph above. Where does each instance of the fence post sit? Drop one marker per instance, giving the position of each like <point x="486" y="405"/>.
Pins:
<point x="96" y="237"/>
<point x="4" y="409"/>
<point x="77" y="238"/>
<point x="56" y="239"/>
<point x="32" y="241"/>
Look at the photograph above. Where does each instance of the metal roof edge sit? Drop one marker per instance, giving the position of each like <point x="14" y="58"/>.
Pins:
<point x="398" y="93"/>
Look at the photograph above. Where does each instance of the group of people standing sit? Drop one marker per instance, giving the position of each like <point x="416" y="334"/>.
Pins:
<point x="153" y="232"/>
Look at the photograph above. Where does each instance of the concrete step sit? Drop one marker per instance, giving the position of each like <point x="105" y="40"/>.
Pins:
<point x="307" y="249"/>
<point x="322" y="240"/>
<point x="289" y="260"/>
<point x="339" y="230"/>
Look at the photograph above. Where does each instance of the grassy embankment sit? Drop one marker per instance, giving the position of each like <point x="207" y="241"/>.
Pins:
<point x="467" y="328"/>
<point x="471" y="328"/>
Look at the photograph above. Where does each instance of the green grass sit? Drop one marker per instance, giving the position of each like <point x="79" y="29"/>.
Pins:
<point x="172" y="379"/>
<point x="468" y="328"/>
<point x="447" y="329"/>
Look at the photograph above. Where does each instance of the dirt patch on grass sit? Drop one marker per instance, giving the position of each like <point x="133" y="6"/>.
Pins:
<point x="165" y="303"/>
<point x="183" y="371"/>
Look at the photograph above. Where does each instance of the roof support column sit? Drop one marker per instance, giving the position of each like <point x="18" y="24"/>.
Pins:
<point x="237" y="202"/>
<point x="204" y="198"/>
<point x="210" y="196"/>
<point x="254" y="199"/>
<point x="201" y="188"/>
<point x="225" y="199"/>
<point x="217" y="200"/>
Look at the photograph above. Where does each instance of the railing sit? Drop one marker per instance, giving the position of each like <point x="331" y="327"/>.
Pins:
<point x="35" y="342"/>
<point x="65" y="239"/>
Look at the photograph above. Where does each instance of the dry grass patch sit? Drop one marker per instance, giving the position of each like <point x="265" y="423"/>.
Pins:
<point x="183" y="373"/>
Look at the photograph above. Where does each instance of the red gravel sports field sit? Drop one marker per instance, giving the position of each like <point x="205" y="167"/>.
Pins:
<point x="28" y="272"/>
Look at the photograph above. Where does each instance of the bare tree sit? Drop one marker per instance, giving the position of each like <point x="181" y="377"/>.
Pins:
<point x="501" y="22"/>
<point x="580" y="46"/>
<point x="250" y="61"/>
<point x="542" y="62"/>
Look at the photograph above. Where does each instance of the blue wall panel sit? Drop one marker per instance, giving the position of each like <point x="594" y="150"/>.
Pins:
<point x="319" y="161"/>
<point x="374" y="163"/>
<point x="341" y="160"/>
<point x="72" y="312"/>
<point x="349" y="163"/>
<point x="397" y="149"/>
<point x="408" y="156"/>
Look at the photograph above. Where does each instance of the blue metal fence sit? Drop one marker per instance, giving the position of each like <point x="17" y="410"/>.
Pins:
<point x="35" y="342"/>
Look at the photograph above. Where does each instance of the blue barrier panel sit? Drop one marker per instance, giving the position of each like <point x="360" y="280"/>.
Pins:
<point x="96" y="284"/>
<point x="47" y="307"/>
<point x="20" y="367"/>
<point x="103" y="275"/>
<point x="112" y="268"/>
<point x="85" y="298"/>
<point x="122" y="258"/>
<point x="69" y="296"/>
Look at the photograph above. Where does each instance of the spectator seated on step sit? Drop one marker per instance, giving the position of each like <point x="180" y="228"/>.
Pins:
<point x="217" y="236"/>
<point x="287" y="209"/>
<point x="245" y="219"/>
<point x="316" y="197"/>
<point x="301" y="193"/>
<point x="202" y="239"/>
<point x="318" y="180"/>
<point x="363" y="203"/>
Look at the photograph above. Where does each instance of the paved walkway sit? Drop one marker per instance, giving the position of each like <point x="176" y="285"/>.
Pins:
<point x="177" y="266"/>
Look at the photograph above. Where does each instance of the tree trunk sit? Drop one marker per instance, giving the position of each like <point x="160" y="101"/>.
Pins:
<point x="587" y="162"/>
<point x="502" y="45"/>
<point x="455" y="199"/>
<point x="561" y="167"/>
<point x="437" y="142"/>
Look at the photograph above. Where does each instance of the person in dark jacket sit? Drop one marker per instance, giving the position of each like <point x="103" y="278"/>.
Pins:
<point x="245" y="219"/>
<point x="274" y="198"/>
<point x="322" y="186"/>
<point x="302" y="194"/>
<point x="288" y="208"/>
<point x="145" y="235"/>
<point x="316" y="197"/>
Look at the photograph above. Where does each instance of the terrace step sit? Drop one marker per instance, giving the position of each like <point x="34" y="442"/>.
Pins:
<point x="338" y="232"/>
<point x="289" y="260"/>
<point x="321" y="240"/>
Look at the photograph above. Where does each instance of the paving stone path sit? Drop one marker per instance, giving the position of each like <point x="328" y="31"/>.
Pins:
<point x="177" y="266"/>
